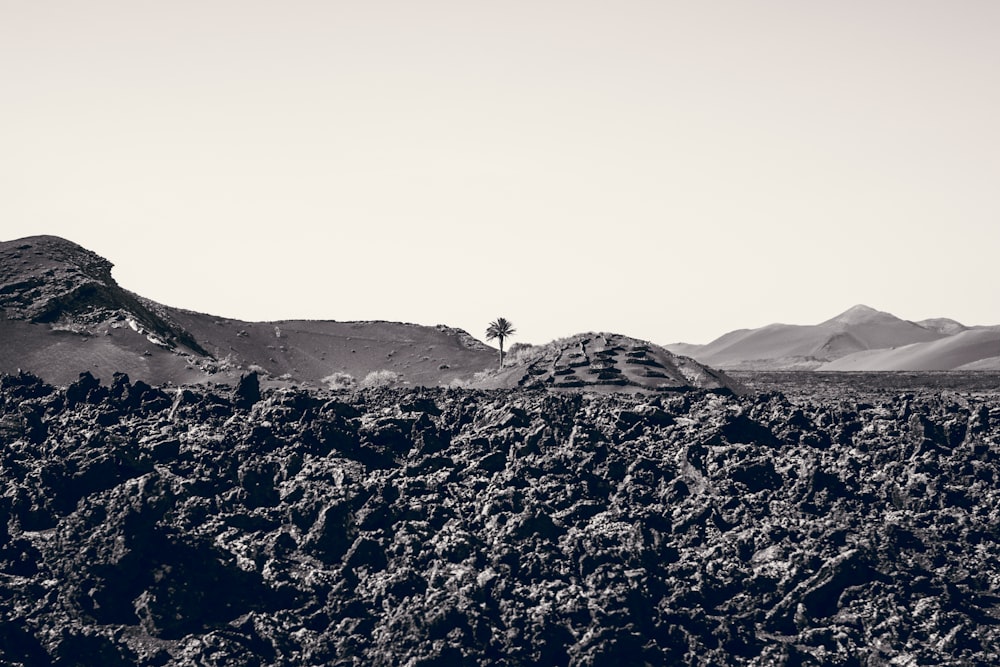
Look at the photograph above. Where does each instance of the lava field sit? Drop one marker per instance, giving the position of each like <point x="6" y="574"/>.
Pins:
<point x="233" y="526"/>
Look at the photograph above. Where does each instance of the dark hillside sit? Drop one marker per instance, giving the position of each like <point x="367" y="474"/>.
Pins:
<point x="212" y="526"/>
<point x="49" y="280"/>
<point x="62" y="312"/>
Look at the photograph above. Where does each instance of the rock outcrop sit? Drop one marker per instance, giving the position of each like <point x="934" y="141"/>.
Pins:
<point x="201" y="526"/>
<point x="49" y="280"/>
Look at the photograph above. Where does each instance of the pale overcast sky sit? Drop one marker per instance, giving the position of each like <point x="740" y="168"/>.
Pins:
<point x="667" y="170"/>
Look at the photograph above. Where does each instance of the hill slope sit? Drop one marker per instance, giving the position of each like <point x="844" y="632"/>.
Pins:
<point x="951" y="353"/>
<point x="61" y="312"/>
<point x="860" y="338"/>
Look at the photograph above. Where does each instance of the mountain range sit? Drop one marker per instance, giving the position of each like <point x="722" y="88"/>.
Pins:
<point x="62" y="313"/>
<point x="859" y="339"/>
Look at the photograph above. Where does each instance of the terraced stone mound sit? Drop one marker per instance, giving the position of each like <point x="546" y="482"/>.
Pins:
<point x="603" y="362"/>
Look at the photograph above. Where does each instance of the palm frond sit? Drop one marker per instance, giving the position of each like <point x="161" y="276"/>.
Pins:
<point x="500" y="328"/>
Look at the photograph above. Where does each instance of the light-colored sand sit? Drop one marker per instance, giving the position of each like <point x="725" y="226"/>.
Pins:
<point x="951" y="353"/>
<point x="860" y="338"/>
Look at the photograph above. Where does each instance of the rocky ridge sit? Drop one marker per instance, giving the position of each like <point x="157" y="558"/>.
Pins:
<point x="47" y="280"/>
<point x="218" y="525"/>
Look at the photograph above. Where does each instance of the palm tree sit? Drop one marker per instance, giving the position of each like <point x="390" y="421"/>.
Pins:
<point x="500" y="328"/>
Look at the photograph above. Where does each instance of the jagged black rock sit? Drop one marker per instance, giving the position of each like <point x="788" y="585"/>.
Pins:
<point x="210" y="526"/>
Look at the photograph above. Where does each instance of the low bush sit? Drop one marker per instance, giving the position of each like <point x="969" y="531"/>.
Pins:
<point x="380" y="378"/>
<point x="340" y="381"/>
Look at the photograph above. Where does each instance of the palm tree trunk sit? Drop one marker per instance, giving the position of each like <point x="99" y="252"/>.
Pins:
<point x="501" y="352"/>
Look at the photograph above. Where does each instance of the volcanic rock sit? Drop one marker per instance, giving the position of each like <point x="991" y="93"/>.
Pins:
<point x="514" y="527"/>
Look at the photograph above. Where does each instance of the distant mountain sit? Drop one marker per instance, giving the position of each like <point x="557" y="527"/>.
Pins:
<point x="62" y="313"/>
<point x="966" y="348"/>
<point x="943" y="325"/>
<point x="860" y="339"/>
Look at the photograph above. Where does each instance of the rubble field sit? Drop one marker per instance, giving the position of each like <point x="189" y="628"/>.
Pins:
<point x="212" y="525"/>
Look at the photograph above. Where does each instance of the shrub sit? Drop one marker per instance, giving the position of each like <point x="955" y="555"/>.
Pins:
<point x="340" y="381"/>
<point x="380" y="378"/>
<point x="520" y="353"/>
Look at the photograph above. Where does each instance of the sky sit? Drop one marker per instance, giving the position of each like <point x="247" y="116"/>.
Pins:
<point x="663" y="169"/>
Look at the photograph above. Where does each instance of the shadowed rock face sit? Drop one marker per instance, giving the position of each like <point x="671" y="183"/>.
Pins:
<point x="214" y="526"/>
<point x="43" y="277"/>
<point x="47" y="280"/>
